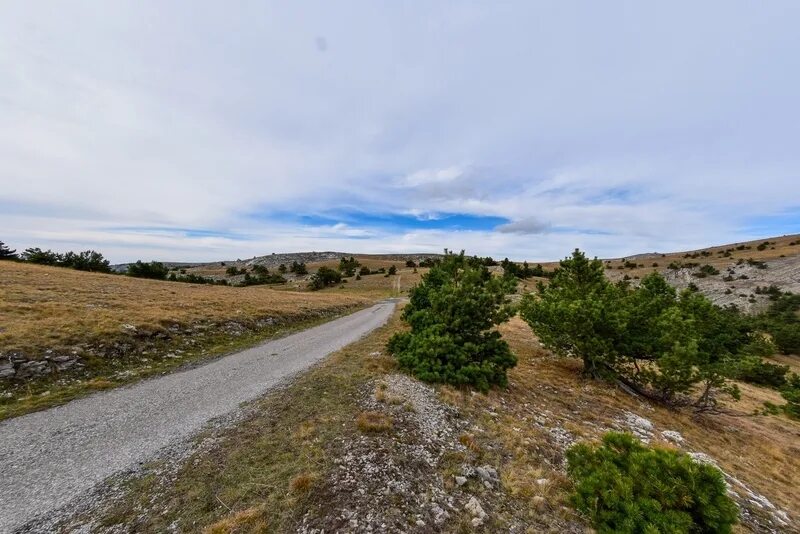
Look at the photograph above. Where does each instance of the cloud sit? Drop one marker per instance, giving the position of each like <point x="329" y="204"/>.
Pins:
<point x="626" y="128"/>
<point x="529" y="225"/>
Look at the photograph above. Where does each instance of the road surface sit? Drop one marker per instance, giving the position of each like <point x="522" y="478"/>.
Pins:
<point x="49" y="458"/>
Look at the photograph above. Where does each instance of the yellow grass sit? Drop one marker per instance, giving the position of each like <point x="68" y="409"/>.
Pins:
<point x="373" y="422"/>
<point x="48" y="307"/>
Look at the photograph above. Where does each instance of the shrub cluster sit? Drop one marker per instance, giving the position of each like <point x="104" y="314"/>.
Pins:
<point x="452" y="314"/>
<point x="523" y="271"/>
<point x="155" y="270"/>
<point x="625" y="487"/>
<point x="706" y="270"/>
<point x="192" y="278"/>
<point x="88" y="260"/>
<point x="324" y="277"/>
<point x="429" y="262"/>
<point x="348" y="266"/>
<point x="298" y="268"/>
<point x="234" y="271"/>
<point x="650" y="338"/>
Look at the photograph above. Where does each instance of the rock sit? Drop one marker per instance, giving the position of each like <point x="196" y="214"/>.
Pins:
<point x="420" y="523"/>
<point x="538" y="502"/>
<point x="477" y="521"/>
<point x="6" y="369"/>
<point x="672" y="435"/>
<point x="474" y="508"/>
<point x="31" y="369"/>
<point x="439" y="515"/>
<point x="460" y="481"/>
<point x="542" y="481"/>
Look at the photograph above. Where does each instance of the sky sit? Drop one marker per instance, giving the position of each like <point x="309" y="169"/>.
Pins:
<point x="194" y="131"/>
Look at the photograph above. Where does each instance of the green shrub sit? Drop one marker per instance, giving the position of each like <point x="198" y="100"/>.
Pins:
<point x="625" y="487"/>
<point x="452" y="314"/>
<point x="791" y="393"/>
<point x="154" y="269"/>
<point x="299" y="268"/>
<point x="787" y="338"/>
<point x="756" y="371"/>
<point x="348" y="266"/>
<point x="392" y="271"/>
<point x="324" y="277"/>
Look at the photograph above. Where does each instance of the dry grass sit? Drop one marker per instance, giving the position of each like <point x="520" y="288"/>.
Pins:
<point x="762" y="451"/>
<point x="250" y="521"/>
<point x="302" y="483"/>
<point x="48" y="307"/>
<point x="372" y="422"/>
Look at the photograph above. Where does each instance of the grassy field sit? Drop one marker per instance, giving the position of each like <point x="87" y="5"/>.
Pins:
<point x="122" y="329"/>
<point x="52" y="308"/>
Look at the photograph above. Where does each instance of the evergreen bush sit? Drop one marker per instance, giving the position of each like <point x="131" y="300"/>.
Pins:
<point x="625" y="487"/>
<point x="452" y="314"/>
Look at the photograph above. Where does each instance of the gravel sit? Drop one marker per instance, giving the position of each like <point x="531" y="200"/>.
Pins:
<point x="50" y="458"/>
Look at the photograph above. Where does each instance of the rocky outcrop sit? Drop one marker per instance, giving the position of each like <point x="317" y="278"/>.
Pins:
<point x="15" y="365"/>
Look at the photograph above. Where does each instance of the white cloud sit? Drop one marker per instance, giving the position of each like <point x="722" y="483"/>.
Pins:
<point x="529" y="225"/>
<point x="621" y="128"/>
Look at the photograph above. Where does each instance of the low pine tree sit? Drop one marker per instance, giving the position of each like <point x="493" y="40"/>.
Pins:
<point x="452" y="314"/>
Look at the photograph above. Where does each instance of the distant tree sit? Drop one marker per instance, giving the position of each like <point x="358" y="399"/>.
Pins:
<point x="41" y="257"/>
<point x="282" y="268"/>
<point x="392" y="271"/>
<point x="298" y="268"/>
<point x="260" y="270"/>
<point x="410" y="263"/>
<point x="88" y="260"/>
<point x="154" y="269"/>
<point x="7" y="253"/>
<point x="348" y="266"/>
<point x="324" y="277"/>
<point x="364" y="271"/>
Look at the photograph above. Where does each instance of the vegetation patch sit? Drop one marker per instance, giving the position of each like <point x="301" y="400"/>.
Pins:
<point x="373" y="422"/>
<point x="626" y="487"/>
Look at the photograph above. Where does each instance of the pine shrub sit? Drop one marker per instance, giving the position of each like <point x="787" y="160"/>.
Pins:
<point x="625" y="487"/>
<point x="452" y="314"/>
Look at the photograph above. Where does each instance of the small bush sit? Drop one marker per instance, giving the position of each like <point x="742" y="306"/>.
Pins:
<point x="626" y="487"/>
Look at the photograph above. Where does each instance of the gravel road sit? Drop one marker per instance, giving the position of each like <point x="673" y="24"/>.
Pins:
<point x="49" y="458"/>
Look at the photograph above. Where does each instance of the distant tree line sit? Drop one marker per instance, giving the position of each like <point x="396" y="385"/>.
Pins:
<point x="88" y="260"/>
